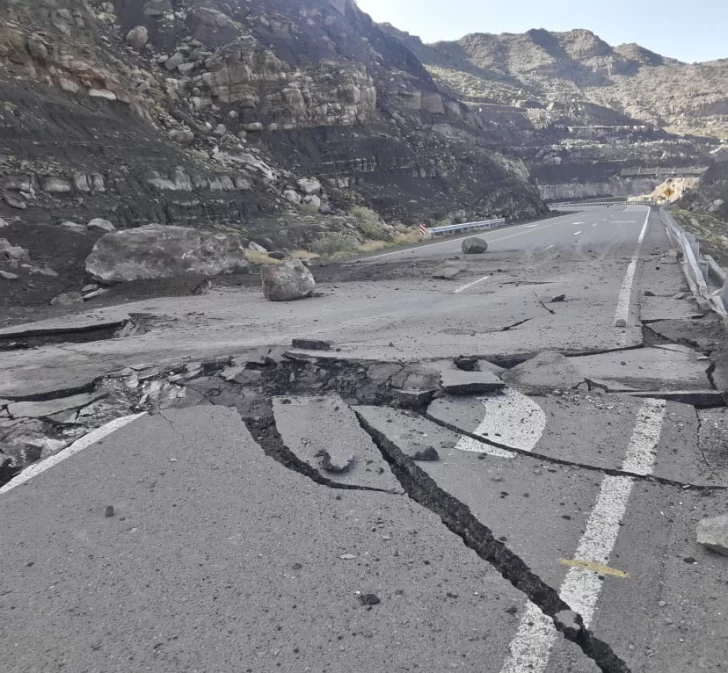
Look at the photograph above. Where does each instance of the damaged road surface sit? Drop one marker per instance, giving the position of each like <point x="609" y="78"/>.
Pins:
<point x="421" y="494"/>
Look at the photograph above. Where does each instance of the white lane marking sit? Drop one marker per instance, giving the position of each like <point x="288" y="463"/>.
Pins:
<point x="510" y="418"/>
<point x="469" y="285"/>
<point x="621" y="316"/>
<point x="532" y="645"/>
<point x="577" y="223"/>
<point x="596" y="224"/>
<point x="576" y="233"/>
<point x="77" y="446"/>
<point x="624" y="222"/>
<point x="551" y="246"/>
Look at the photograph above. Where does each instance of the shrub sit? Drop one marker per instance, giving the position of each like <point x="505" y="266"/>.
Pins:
<point x="335" y="243"/>
<point x="369" y="224"/>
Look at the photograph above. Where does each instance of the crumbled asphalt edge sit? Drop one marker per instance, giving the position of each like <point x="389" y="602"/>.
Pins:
<point x="476" y="536"/>
<point x="612" y="472"/>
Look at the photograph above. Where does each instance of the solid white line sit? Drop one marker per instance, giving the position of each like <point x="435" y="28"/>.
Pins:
<point x="532" y="645"/>
<point x="621" y="316"/>
<point x="531" y="226"/>
<point x="469" y="285"/>
<point x="576" y="233"/>
<point x="79" y="445"/>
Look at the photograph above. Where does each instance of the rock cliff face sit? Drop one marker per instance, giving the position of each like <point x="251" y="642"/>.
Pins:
<point x="210" y="112"/>
<point x="586" y="118"/>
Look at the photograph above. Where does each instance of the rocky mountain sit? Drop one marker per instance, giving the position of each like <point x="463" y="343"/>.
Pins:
<point x="251" y="114"/>
<point x="577" y="65"/>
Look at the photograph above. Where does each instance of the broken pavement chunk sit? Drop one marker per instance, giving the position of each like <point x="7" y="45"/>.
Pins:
<point x="713" y="534"/>
<point x="50" y="407"/>
<point x="449" y="269"/>
<point x="547" y="371"/>
<point x="336" y="465"/>
<point x="467" y="364"/>
<point x="457" y="382"/>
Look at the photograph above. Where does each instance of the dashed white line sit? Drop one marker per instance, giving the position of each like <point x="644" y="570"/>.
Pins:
<point x="532" y="645"/>
<point x="596" y="224"/>
<point x="621" y="317"/>
<point x="78" y="445"/>
<point x="469" y="285"/>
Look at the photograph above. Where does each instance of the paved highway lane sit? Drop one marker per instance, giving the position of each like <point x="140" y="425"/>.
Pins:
<point x="188" y="540"/>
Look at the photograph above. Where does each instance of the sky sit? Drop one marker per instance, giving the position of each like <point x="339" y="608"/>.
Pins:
<point x="689" y="30"/>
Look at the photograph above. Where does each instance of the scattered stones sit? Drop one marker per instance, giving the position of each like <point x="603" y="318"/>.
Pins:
<point x="547" y="371"/>
<point x="474" y="246"/>
<point x="157" y="251"/>
<point x="67" y="299"/>
<point x="182" y="136"/>
<point x="335" y="465"/>
<point x="13" y="253"/>
<point x="311" y="344"/>
<point x="287" y="281"/>
<point x="458" y="382"/>
<point x="99" y="224"/>
<point x="174" y="61"/>
<point x="426" y="455"/>
<point x="449" y="269"/>
<point x="713" y="534"/>
<point x="369" y="599"/>
<point x="137" y="37"/>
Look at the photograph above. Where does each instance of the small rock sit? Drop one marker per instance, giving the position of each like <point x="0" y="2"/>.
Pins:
<point x="15" y="201"/>
<point x="369" y="599"/>
<point x="648" y="293"/>
<point x="309" y="186"/>
<point x="680" y="295"/>
<point x="73" y="226"/>
<point x="220" y="130"/>
<point x="311" y="345"/>
<point x="474" y="246"/>
<point x="713" y="534"/>
<point x="91" y="287"/>
<point x="67" y="299"/>
<point x="109" y="511"/>
<point x="556" y="300"/>
<point x="347" y="557"/>
<point x="467" y="364"/>
<point x="292" y="196"/>
<point x="174" y="61"/>
<point x="338" y="465"/>
<point x="95" y="293"/>
<point x="99" y="224"/>
<point x="569" y="620"/>
<point x="256" y="247"/>
<point x="8" y="276"/>
<point x="426" y="455"/>
<point x="277" y="254"/>
<point x="3" y="223"/>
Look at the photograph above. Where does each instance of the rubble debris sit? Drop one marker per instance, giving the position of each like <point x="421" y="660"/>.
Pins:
<point x="549" y="370"/>
<point x="287" y="281"/>
<point x="311" y="344"/>
<point x="449" y="269"/>
<point x="457" y="382"/>
<point x="474" y="246"/>
<point x="713" y="534"/>
<point x="337" y="465"/>
<point x="202" y="288"/>
<point x="429" y="454"/>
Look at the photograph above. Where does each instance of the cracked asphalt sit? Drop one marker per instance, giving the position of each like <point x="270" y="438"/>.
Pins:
<point x="258" y="508"/>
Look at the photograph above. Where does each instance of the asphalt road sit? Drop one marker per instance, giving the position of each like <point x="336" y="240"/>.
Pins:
<point x="174" y="542"/>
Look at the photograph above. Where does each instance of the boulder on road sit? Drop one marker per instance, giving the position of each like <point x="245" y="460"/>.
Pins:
<point x="287" y="281"/>
<point x="713" y="534"/>
<point x="157" y="251"/>
<point x="474" y="246"/>
<point x="547" y="371"/>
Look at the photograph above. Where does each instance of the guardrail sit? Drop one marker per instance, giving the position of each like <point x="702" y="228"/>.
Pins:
<point x="582" y="206"/>
<point x="468" y="226"/>
<point x="697" y="270"/>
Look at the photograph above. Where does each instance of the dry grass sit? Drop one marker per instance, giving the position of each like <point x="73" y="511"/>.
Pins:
<point x="305" y="255"/>
<point x="260" y="258"/>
